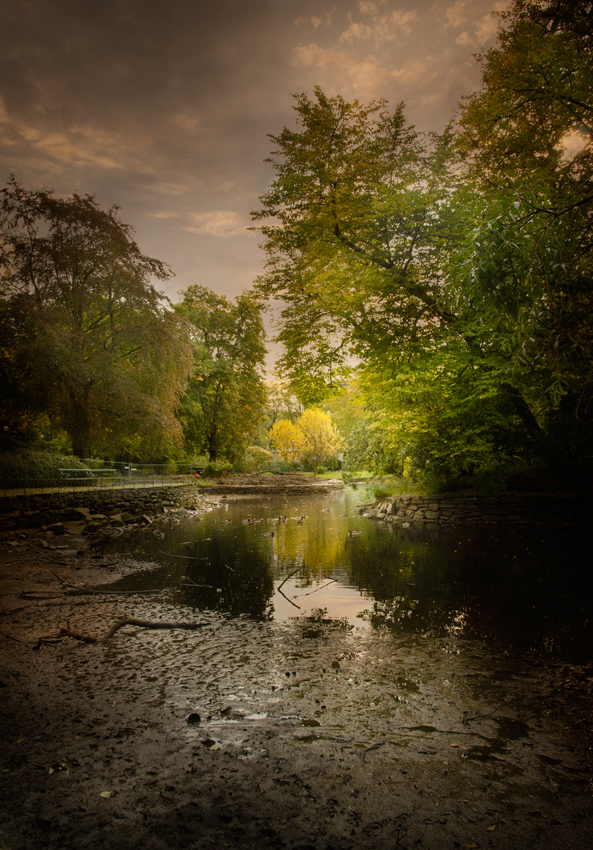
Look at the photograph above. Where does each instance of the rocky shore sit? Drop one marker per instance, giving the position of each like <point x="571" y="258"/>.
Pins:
<point x="475" y="509"/>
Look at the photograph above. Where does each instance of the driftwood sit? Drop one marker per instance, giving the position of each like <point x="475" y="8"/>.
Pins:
<point x="80" y="590"/>
<point x="279" y="588"/>
<point x="115" y="627"/>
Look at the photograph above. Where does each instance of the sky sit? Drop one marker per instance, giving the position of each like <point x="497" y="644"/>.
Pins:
<point x="163" y="107"/>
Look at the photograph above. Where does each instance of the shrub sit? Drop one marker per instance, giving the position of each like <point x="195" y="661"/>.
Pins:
<point x="215" y="468"/>
<point x="31" y="464"/>
<point x="256" y="458"/>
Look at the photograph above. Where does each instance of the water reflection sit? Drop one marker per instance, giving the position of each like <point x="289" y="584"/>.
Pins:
<point x="524" y="589"/>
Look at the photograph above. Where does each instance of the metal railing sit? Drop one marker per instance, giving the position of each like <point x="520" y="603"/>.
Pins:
<point x="107" y="476"/>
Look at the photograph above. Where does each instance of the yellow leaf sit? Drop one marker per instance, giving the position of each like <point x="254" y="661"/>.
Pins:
<point x="105" y="793"/>
<point x="491" y="828"/>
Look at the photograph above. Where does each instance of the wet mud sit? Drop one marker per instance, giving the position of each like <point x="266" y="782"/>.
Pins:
<point x="301" y="733"/>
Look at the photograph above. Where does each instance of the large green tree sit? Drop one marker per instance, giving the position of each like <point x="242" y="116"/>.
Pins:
<point x="225" y="401"/>
<point x="449" y="271"/>
<point x="86" y="337"/>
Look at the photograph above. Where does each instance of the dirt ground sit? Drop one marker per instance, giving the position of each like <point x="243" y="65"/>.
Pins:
<point x="240" y="734"/>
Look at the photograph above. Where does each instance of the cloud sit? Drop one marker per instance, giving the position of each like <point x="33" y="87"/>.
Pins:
<point x="464" y="38"/>
<point x="219" y="223"/>
<point x="456" y="15"/>
<point x="486" y="27"/>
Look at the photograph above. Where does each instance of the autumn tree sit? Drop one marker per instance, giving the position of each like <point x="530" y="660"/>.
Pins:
<point x="320" y="440"/>
<point x="86" y="337"/>
<point x="225" y="402"/>
<point x="288" y="439"/>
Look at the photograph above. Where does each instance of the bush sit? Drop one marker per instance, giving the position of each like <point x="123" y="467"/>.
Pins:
<point x="31" y="464"/>
<point x="321" y="470"/>
<point x="215" y="468"/>
<point x="257" y="458"/>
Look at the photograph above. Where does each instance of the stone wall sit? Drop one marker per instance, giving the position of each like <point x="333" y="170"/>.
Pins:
<point x="506" y="508"/>
<point x="43" y="508"/>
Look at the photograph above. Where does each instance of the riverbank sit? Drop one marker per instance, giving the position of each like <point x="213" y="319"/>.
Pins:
<point x="307" y="735"/>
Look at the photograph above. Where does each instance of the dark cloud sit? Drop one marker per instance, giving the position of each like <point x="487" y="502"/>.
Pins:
<point x="163" y="106"/>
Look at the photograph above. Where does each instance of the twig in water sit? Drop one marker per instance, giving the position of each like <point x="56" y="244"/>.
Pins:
<point x="287" y="599"/>
<point x="316" y="589"/>
<point x="185" y="557"/>
<point x="286" y="579"/>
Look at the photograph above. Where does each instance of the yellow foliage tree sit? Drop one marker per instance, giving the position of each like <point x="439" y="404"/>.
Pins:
<point x="320" y="439"/>
<point x="287" y="439"/>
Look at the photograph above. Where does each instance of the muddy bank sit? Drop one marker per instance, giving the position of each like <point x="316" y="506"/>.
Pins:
<point x="308" y="734"/>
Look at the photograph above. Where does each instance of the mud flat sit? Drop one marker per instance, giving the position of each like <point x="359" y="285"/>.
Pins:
<point x="247" y="734"/>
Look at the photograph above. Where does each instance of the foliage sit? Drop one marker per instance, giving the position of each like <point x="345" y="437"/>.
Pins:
<point x="86" y="338"/>
<point x="215" y="468"/>
<point x="282" y="403"/>
<point x="287" y="438"/>
<point x="256" y="458"/>
<point x="320" y="439"/>
<point x="33" y="464"/>
<point x="225" y="401"/>
<point x="454" y="273"/>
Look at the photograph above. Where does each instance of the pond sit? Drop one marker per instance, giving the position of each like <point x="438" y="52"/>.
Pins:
<point x="314" y="559"/>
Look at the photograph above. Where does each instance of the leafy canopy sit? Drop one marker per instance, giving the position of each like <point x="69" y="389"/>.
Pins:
<point x="86" y="338"/>
<point x="225" y="400"/>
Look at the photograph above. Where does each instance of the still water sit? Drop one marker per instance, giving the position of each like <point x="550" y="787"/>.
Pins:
<point x="315" y="560"/>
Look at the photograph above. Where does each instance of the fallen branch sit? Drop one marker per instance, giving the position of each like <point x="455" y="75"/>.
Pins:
<point x="11" y="637"/>
<point x="286" y="579"/>
<point x="150" y="624"/>
<point x="316" y="589"/>
<point x="287" y="599"/>
<point x="79" y="590"/>
<point x="119" y="624"/>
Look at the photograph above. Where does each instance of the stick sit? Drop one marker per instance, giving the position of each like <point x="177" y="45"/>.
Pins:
<point x="286" y="579"/>
<point x="287" y="599"/>
<point x="148" y="624"/>
<point x="316" y="589"/>
<point x="11" y="637"/>
<point x="186" y="557"/>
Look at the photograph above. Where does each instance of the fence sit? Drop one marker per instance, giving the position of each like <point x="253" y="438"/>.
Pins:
<point x="105" y="476"/>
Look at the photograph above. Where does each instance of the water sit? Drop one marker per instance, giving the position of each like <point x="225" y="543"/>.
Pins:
<point x="517" y="589"/>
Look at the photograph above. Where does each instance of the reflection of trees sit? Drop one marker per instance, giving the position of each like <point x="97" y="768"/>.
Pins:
<point x="479" y="584"/>
<point x="500" y="585"/>
<point x="317" y="546"/>
<point x="233" y="565"/>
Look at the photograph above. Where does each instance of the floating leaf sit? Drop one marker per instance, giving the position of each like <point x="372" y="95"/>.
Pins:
<point x="491" y="828"/>
<point x="105" y="794"/>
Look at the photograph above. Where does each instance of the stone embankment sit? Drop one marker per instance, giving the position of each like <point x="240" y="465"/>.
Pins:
<point x="98" y="510"/>
<point x="456" y="508"/>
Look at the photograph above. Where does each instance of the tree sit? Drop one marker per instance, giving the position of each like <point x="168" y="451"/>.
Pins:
<point x="393" y="255"/>
<point x="361" y="212"/>
<point x="225" y="401"/>
<point x="320" y="439"/>
<point x="528" y="257"/>
<point x="288" y="439"/>
<point x="87" y="339"/>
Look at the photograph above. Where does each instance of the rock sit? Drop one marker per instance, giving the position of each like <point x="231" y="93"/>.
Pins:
<point x="81" y="514"/>
<point x="56" y="528"/>
<point x="116" y="520"/>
